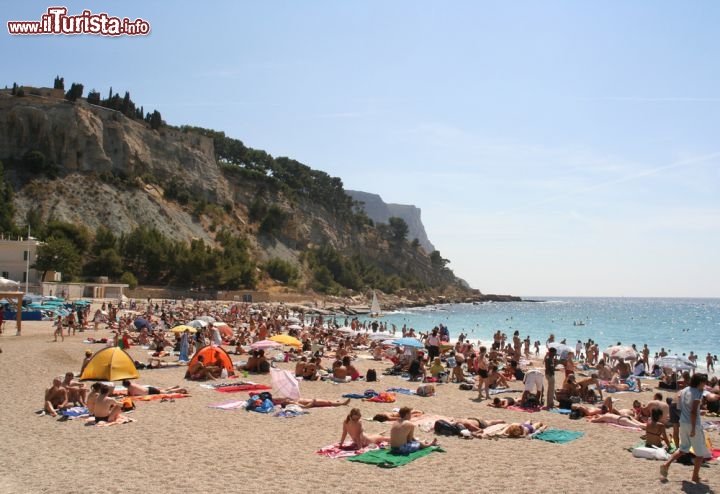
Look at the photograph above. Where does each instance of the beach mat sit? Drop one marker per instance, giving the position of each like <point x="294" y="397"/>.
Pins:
<point x="160" y="397"/>
<point x="521" y="409"/>
<point x="239" y="388"/>
<point x="385" y="459"/>
<point x="345" y="451"/>
<point x="558" y="436"/>
<point x="75" y="412"/>
<point x="122" y="419"/>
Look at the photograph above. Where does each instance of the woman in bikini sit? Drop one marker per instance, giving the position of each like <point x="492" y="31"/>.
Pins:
<point x="613" y="418"/>
<point x="655" y="433"/>
<point x="352" y="426"/>
<point x="482" y="367"/>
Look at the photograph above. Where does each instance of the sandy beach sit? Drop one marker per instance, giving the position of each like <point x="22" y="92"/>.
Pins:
<point x="184" y="446"/>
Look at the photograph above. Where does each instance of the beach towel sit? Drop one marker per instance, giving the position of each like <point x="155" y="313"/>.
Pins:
<point x="641" y="444"/>
<point x="521" y="409"/>
<point x="344" y="451"/>
<point x="563" y="411"/>
<point x="385" y="459"/>
<point x="558" y="436"/>
<point x="289" y="413"/>
<point x="160" y="397"/>
<point x="497" y="391"/>
<point x="230" y="405"/>
<point x="239" y="388"/>
<point x="75" y="412"/>
<point x="383" y="398"/>
<point x="366" y="395"/>
<point x="122" y="419"/>
<point x="402" y="391"/>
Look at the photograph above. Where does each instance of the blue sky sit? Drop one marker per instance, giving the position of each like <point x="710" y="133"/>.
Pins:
<point x="555" y="148"/>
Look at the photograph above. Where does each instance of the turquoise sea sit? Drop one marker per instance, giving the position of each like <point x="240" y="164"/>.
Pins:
<point x="679" y="325"/>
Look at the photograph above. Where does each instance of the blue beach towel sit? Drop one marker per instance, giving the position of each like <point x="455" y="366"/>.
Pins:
<point x="402" y="391"/>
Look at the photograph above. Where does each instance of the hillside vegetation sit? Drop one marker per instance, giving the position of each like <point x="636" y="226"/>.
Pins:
<point x="118" y="193"/>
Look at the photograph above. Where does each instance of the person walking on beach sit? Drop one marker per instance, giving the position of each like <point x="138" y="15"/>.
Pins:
<point x="691" y="430"/>
<point x="550" y="363"/>
<point x="59" y="329"/>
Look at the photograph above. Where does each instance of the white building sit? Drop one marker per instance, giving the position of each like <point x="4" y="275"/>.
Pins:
<point x="17" y="255"/>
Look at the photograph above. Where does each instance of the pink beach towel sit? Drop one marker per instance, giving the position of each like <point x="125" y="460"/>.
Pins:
<point x="346" y="450"/>
<point x="528" y="410"/>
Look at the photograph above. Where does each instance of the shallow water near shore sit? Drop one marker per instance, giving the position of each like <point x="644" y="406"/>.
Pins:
<point x="679" y="325"/>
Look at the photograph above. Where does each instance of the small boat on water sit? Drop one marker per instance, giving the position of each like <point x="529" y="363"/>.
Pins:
<point x="578" y="323"/>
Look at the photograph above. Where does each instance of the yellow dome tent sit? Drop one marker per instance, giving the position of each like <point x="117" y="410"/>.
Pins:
<point x="110" y="364"/>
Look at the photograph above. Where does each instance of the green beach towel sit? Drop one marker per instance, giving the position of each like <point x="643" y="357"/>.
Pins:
<point x="558" y="436"/>
<point x="385" y="459"/>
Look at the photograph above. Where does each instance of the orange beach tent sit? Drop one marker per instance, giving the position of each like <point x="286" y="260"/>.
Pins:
<point x="211" y="355"/>
<point x="110" y="364"/>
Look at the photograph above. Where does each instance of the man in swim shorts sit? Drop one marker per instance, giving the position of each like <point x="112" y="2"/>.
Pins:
<point x="691" y="430"/>
<point x="134" y="389"/>
<point x="402" y="435"/>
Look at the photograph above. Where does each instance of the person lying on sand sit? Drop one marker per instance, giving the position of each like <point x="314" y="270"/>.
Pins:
<point x="590" y="411"/>
<point x="311" y="402"/>
<point x="513" y="430"/>
<point x="476" y="426"/>
<point x="613" y="418"/>
<point x="134" y="389"/>
<point x="56" y="398"/>
<point x="402" y="435"/>
<point x="504" y="403"/>
<point x="352" y="426"/>
<point x="392" y="416"/>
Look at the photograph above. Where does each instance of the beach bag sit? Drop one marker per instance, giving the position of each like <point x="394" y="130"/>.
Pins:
<point x="651" y="453"/>
<point x="371" y="375"/>
<point x="466" y="386"/>
<point x="445" y="428"/>
<point x="127" y="404"/>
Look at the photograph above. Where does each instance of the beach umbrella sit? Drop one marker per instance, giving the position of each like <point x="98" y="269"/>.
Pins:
<point x="285" y="383"/>
<point x="265" y="345"/>
<point x="621" y="351"/>
<point x="293" y="319"/>
<point x="182" y="328"/>
<point x="208" y="319"/>
<point x="561" y="348"/>
<point x="383" y="336"/>
<point x="675" y="363"/>
<point x="407" y="341"/>
<point x="6" y="284"/>
<point x="286" y="340"/>
<point x="295" y="326"/>
<point x="225" y="330"/>
<point x="198" y="323"/>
